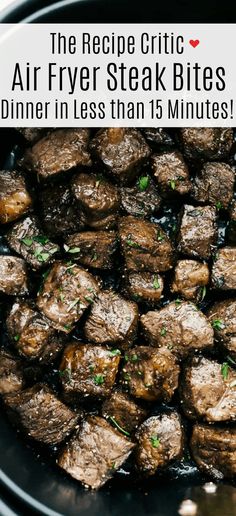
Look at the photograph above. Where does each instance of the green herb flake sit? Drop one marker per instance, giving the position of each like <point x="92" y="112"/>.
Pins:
<point x="134" y="358"/>
<point x="99" y="379"/>
<point x="91" y="368"/>
<point x="65" y="373"/>
<point x="114" y="352"/>
<point x="178" y="302"/>
<point x="143" y="183"/>
<point x="74" y="250"/>
<point x="218" y="205"/>
<point x="217" y="324"/>
<point x="67" y="327"/>
<point x="27" y="241"/>
<point x="163" y="332"/>
<point x="172" y="184"/>
<point x="73" y="304"/>
<point x="160" y="237"/>
<point x="131" y="243"/>
<point x="94" y="257"/>
<point x="203" y="293"/>
<point x="89" y="299"/>
<point x="113" y="420"/>
<point x="41" y="239"/>
<point x="155" y="441"/>
<point x="225" y="370"/>
<point x="16" y="338"/>
<point x="156" y="284"/>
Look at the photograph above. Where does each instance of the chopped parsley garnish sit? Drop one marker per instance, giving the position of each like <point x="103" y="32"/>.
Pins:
<point x="67" y="326"/>
<point x="156" y="283"/>
<point x="160" y="237"/>
<point x="73" y="304"/>
<point x="115" y="352"/>
<point x="178" y="302"/>
<point x="16" y="338"/>
<point x="91" y="368"/>
<point x="131" y="243"/>
<point x="155" y="441"/>
<point x="172" y="184"/>
<point x="225" y="370"/>
<point x="113" y="420"/>
<point x="143" y="183"/>
<point x="218" y="205"/>
<point x="163" y="332"/>
<point x="27" y="241"/>
<point x="126" y="376"/>
<point x="89" y="299"/>
<point x="134" y="358"/>
<point x="99" y="379"/>
<point x="41" y="239"/>
<point x="65" y="373"/>
<point x="94" y="257"/>
<point x="203" y="292"/>
<point x="74" y="250"/>
<point x="217" y="324"/>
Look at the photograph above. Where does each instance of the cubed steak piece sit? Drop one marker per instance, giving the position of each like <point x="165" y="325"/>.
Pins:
<point x="231" y="230"/>
<point x="160" y="441"/>
<point x="171" y="173"/>
<point x="150" y="374"/>
<point x="13" y="276"/>
<point x="32" y="334"/>
<point x="214" y="450"/>
<point x="180" y="326"/>
<point x="157" y="137"/>
<point x="145" y="246"/>
<point x="112" y="320"/>
<point x="95" y="452"/>
<point x="198" y="231"/>
<point x="123" y="412"/>
<point x="222" y="316"/>
<point x="190" y="279"/>
<point x="15" y="199"/>
<point x="224" y="269"/>
<point x="11" y="373"/>
<point x="145" y="287"/>
<point x="41" y="415"/>
<point x="206" y="143"/>
<point x="88" y="370"/>
<point x="141" y="200"/>
<point x="208" y="390"/>
<point x="214" y="185"/>
<point x="27" y="238"/>
<point x="68" y="290"/>
<point x="59" y="151"/>
<point x="93" y="248"/>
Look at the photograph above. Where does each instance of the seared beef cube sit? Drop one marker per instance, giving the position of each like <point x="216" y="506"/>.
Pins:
<point x="214" y="450"/>
<point x="112" y="320"/>
<point x="180" y="326"/>
<point x="206" y="143"/>
<point x="27" y="239"/>
<point x="144" y="287"/>
<point x="67" y="291"/>
<point x="171" y="173"/>
<point x="93" y="249"/>
<point x="145" y="246"/>
<point x="224" y="269"/>
<point x="157" y="137"/>
<point x="160" y="441"/>
<point x="33" y="134"/>
<point x="97" y="198"/>
<point x="222" y="317"/>
<point x="198" y="232"/>
<point x="190" y="279"/>
<point x="150" y="374"/>
<point x="32" y="334"/>
<point x="15" y="199"/>
<point x="231" y="233"/>
<point x="41" y="415"/>
<point x="59" y="151"/>
<point x="87" y="370"/>
<point x="95" y="452"/>
<point x="13" y="276"/>
<point x="208" y="390"/>
<point x="214" y="185"/>
<point x="141" y="200"/>
<point x="11" y="373"/>
<point x="123" y="412"/>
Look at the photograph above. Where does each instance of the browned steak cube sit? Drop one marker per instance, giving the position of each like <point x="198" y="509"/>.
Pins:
<point x="232" y="223"/>
<point x="95" y="453"/>
<point x="171" y="173"/>
<point x="157" y="136"/>
<point x="144" y="287"/>
<point x="198" y="232"/>
<point x="180" y="326"/>
<point x="41" y="415"/>
<point x="67" y="292"/>
<point x="208" y="390"/>
<point x="145" y="246"/>
<point x="222" y="317"/>
<point x="87" y="370"/>
<point x="160" y="441"/>
<point x="214" y="185"/>
<point x="11" y="373"/>
<point x="15" y="199"/>
<point x="206" y="143"/>
<point x="32" y="334"/>
<point x="224" y="269"/>
<point x="214" y="450"/>
<point x="123" y="412"/>
<point x="93" y="249"/>
<point x="58" y="152"/>
<point x="27" y="238"/>
<point x="190" y="279"/>
<point x="141" y="200"/>
<point x="97" y="198"/>
<point x="13" y="276"/>
<point x="121" y="150"/>
<point x="150" y="374"/>
<point x="112" y="320"/>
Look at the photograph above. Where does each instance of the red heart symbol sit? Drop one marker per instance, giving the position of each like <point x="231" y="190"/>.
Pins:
<point x="194" y="42"/>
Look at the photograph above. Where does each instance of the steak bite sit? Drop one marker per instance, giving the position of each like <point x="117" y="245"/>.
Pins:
<point x="160" y="441"/>
<point x="224" y="269"/>
<point x="214" y="450"/>
<point x="180" y="326"/>
<point x="95" y="452"/>
<point x="198" y="231"/>
<point x="222" y="316"/>
<point x="171" y="173"/>
<point x="123" y="412"/>
<point x="112" y="320"/>
<point x="206" y="143"/>
<point x="13" y="276"/>
<point x="150" y="374"/>
<point x="59" y="151"/>
<point x="93" y="249"/>
<point x="87" y="370"/>
<point x="67" y="292"/>
<point x="15" y="199"/>
<point x="190" y="279"/>
<point x="145" y="287"/>
<point x="208" y="390"/>
<point x="122" y="151"/>
<point x="27" y="238"/>
<point x="157" y="137"/>
<point x="41" y="415"/>
<point x="214" y="185"/>
<point x="141" y="200"/>
<point x="97" y="198"/>
<point x="11" y="373"/>
<point x="145" y="246"/>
